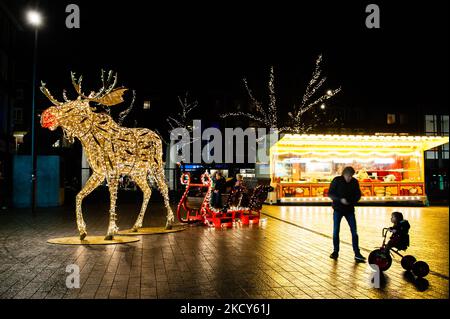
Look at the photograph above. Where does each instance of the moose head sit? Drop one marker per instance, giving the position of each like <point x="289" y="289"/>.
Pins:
<point x="75" y="116"/>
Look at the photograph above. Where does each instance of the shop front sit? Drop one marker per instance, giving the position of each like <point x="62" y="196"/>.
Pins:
<point x="388" y="168"/>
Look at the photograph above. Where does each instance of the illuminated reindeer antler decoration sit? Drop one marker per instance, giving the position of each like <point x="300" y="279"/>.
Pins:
<point x="111" y="150"/>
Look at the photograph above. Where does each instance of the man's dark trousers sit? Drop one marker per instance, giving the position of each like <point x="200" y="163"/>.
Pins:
<point x="351" y="220"/>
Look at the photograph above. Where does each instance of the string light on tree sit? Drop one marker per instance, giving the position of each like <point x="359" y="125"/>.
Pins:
<point x="267" y="116"/>
<point x="182" y="119"/>
<point x="298" y="124"/>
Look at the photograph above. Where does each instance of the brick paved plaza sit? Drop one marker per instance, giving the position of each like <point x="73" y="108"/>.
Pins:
<point x="285" y="257"/>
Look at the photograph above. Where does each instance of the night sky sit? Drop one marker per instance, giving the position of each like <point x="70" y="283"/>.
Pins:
<point x="206" y="49"/>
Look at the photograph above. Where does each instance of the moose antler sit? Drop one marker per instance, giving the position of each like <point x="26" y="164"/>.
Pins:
<point x="107" y="86"/>
<point x="49" y="95"/>
<point x="77" y="84"/>
<point x="107" y="95"/>
<point x="66" y="99"/>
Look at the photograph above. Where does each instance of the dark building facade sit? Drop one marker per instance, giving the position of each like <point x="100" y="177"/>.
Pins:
<point x="9" y="113"/>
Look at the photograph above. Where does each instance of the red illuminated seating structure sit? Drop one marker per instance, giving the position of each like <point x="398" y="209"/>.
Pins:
<point x="195" y="207"/>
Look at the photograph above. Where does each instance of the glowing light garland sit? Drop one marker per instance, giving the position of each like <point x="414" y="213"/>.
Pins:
<point x="268" y="115"/>
<point x="316" y="82"/>
<point x="182" y="119"/>
<point x="112" y="150"/>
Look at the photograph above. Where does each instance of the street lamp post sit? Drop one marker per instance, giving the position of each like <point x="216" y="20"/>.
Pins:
<point x="35" y="19"/>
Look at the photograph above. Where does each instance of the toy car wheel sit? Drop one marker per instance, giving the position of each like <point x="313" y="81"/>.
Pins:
<point x="420" y="269"/>
<point x="408" y="262"/>
<point x="381" y="259"/>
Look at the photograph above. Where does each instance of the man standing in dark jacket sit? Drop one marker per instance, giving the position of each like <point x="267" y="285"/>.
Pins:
<point x="345" y="193"/>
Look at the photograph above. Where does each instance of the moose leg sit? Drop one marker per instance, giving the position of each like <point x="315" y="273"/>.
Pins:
<point x="161" y="182"/>
<point x="91" y="184"/>
<point x="113" y="185"/>
<point x="141" y="181"/>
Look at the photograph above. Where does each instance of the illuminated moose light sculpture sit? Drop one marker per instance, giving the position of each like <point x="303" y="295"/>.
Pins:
<point x="111" y="150"/>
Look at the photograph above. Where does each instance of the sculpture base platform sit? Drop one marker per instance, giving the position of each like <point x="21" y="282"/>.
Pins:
<point x="152" y="230"/>
<point x="93" y="240"/>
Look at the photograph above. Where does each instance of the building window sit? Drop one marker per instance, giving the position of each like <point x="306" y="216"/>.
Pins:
<point x="20" y="94"/>
<point x="403" y="119"/>
<point x="444" y="125"/>
<point x="18" y="115"/>
<point x="391" y="119"/>
<point x="445" y="151"/>
<point x="430" y="125"/>
<point x="3" y="66"/>
<point x="432" y="128"/>
<point x="431" y="154"/>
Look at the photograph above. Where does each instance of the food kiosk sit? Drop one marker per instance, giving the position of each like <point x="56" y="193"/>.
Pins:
<point x="388" y="167"/>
